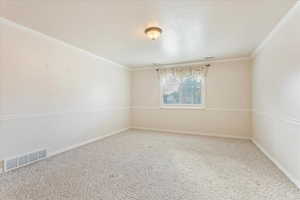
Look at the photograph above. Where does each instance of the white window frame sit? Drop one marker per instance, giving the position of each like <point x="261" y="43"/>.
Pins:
<point x="185" y="106"/>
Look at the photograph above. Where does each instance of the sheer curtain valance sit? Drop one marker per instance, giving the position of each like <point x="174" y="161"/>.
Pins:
<point x="172" y="78"/>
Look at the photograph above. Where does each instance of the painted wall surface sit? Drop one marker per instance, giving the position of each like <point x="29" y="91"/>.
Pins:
<point x="53" y="95"/>
<point x="276" y="95"/>
<point x="228" y="103"/>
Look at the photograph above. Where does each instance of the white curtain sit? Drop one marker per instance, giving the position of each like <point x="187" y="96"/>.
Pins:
<point x="171" y="78"/>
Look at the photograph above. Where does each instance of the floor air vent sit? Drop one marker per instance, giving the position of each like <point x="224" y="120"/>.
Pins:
<point x="23" y="160"/>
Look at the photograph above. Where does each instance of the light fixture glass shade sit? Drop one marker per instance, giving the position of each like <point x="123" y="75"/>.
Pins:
<point x="153" y="32"/>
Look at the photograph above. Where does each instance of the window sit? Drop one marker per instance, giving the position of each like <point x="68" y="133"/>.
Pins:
<point x="183" y="87"/>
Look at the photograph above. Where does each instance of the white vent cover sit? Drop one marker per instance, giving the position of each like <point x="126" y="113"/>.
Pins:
<point x="23" y="160"/>
<point x="11" y="164"/>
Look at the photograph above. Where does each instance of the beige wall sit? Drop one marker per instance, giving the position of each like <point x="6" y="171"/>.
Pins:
<point x="228" y="103"/>
<point x="276" y="96"/>
<point x="53" y="95"/>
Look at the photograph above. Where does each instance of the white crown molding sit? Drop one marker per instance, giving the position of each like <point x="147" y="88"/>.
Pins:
<point x="278" y="27"/>
<point x="236" y="59"/>
<point x="47" y="37"/>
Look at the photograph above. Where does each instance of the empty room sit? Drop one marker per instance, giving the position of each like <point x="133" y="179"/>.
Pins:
<point x="149" y="100"/>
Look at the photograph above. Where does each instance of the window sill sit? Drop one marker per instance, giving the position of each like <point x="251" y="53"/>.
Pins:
<point x="183" y="107"/>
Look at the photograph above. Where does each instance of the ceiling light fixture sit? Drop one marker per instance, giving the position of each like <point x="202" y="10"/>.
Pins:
<point x="153" y="32"/>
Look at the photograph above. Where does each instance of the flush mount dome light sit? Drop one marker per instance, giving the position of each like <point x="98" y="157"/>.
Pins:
<point x="153" y="32"/>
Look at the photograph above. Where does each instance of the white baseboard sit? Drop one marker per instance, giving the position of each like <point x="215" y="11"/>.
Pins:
<point x="193" y="133"/>
<point x="51" y="154"/>
<point x="277" y="163"/>
<point x="86" y="142"/>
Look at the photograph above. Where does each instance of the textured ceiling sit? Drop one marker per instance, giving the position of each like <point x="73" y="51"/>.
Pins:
<point x="192" y="29"/>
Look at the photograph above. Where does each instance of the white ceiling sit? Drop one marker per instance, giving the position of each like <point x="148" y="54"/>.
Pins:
<point x="114" y="29"/>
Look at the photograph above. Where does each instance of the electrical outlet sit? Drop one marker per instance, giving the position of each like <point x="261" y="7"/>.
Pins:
<point x="1" y="166"/>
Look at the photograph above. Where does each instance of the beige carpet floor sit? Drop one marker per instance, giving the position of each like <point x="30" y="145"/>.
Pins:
<point x="140" y="165"/>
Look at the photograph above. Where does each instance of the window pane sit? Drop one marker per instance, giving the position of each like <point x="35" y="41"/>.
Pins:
<point x="197" y="93"/>
<point x="186" y="92"/>
<point x="172" y="98"/>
